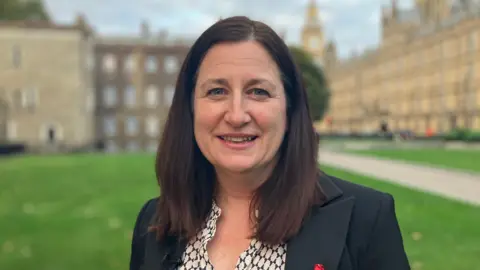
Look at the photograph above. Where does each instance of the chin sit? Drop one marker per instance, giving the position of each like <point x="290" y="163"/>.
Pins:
<point x="237" y="167"/>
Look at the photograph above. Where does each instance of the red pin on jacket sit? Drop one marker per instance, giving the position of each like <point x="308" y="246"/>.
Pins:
<point x="319" y="267"/>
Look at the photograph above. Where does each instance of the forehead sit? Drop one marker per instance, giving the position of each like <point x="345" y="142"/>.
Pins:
<point x="247" y="58"/>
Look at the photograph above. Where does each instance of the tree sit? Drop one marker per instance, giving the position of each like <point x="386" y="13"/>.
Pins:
<point x="315" y="82"/>
<point x="11" y="10"/>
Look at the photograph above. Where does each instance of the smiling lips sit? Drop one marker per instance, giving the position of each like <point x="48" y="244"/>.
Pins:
<point x="238" y="141"/>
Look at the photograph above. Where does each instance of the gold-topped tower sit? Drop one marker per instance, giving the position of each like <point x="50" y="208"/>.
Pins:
<point x="313" y="39"/>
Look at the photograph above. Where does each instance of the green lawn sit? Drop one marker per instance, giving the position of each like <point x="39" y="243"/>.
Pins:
<point x="77" y="212"/>
<point x="437" y="232"/>
<point x="456" y="159"/>
<point x="72" y="213"/>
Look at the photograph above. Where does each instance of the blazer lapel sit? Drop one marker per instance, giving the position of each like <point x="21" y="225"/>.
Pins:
<point x="162" y="255"/>
<point x="154" y="253"/>
<point x="322" y="238"/>
<point x="320" y="241"/>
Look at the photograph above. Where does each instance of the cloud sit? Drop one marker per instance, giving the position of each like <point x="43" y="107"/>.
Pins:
<point x="348" y="22"/>
<point x="375" y="17"/>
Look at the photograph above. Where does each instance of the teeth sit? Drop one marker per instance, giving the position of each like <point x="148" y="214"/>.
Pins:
<point x="238" y="139"/>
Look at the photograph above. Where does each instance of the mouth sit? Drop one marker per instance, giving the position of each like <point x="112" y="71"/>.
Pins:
<point x="238" y="139"/>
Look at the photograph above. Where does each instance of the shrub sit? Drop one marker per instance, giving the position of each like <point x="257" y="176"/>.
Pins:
<point x="473" y="136"/>
<point x="458" y="134"/>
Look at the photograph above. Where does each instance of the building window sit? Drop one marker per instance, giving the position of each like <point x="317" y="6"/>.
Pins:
<point x="110" y="96"/>
<point x="29" y="97"/>
<point x="151" y="64"/>
<point x="151" y="96"/>
<point x="90" y="102"/>
<point x="51" y="133"/>
<point x="109" y="126"/>
<point x="11" y="130"/>
<point x="132" y="146"/>
<point x="152" y="146"/>
<point x="472" y="41"/>
<point x="152" y="126"/>
<point x="131" y="126"/>
<point x="169" y="92"/>
<point x="16" y="56"/>
<point x="130" y="64"/>
<point x="109" y="63"/>
<point x="17" y="99"/>
<point x="111" y="146"/>
<point x="129" y="96"/>
<point x="170" y="64"/>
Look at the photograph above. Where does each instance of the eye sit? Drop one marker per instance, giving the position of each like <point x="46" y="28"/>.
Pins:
<point x="216" y="92"/>
<point x="259" y="92"/>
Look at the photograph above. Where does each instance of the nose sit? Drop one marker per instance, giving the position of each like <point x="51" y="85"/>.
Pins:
<point x="237" y="114"/>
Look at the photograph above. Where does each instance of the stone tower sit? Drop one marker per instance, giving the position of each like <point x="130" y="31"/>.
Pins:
<point x="313" y="40"/>
<point x="433" y="11"/>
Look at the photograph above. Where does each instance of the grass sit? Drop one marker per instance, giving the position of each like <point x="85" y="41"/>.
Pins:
<point x="71" y="212"/>
<point x="436" y="231"/>
<point x="77" y="212"/>
<point x="467" y="160"/>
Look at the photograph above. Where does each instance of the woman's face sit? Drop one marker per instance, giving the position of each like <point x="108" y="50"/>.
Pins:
<point x="239" y="107"/>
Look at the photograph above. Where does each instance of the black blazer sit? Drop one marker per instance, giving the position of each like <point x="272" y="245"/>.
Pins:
<point x="355" y="229"/>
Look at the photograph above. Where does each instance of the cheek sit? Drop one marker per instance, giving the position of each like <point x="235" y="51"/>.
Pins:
<point x="272" y="121"/>
<point x="200" y="123"/>
<point x="200" y="129"/>
<point x="204" y="116"/>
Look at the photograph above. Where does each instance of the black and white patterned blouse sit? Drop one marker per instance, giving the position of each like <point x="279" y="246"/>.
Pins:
<point x="258" y="256"/>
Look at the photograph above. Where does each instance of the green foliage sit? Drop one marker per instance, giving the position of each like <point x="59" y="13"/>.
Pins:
<point x="473" y="136"/>
<point x="456" y="134"/>
<point x="11" y="10"/>
<point x="315" y="81"/>
<point x="463" y="134"/>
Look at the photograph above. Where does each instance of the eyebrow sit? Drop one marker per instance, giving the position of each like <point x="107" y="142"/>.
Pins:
<point x="224" y="82"/>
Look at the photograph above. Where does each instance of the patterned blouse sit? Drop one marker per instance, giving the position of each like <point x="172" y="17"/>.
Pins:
<point x="258" y="256"/>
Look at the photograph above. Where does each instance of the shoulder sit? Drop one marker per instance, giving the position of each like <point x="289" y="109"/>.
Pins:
<point x="144" y="216"/>
<point x="140" y="230"/>
<point x="363" y="195"/>
<point x="147" y="206"/>
<point x="374" y="230"/>
<point x="371" y="207"/>
<point x="373" y="213"/>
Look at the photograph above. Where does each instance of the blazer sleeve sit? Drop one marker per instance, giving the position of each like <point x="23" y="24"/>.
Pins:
<point x="385" y="249"/>
<point x="139" y="232"/>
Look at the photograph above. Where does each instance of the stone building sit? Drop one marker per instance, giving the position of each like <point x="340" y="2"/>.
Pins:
<point x="423" y="76"/>
<point x="135" y="81"/>
<point x="46" y="94"/>
<point x="312" y="36"/>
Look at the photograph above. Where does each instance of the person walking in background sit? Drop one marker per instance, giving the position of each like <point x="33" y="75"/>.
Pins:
<point x="238" y="172"/>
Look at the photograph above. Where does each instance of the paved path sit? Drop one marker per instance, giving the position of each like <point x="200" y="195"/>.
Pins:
<point x="452" y="184"/>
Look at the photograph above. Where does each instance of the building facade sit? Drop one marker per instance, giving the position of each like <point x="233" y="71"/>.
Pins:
<point x="135" y="81"/>
<point x="424" y="76"/>
<point x="46" y="93"/>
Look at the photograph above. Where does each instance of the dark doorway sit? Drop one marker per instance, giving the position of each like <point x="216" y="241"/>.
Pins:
<point x="384" y="126"/>
<point x="453" y="121"/>
<point x="51" y="135"/>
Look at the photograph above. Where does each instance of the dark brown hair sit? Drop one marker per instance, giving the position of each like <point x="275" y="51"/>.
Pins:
<point x="187" y="179"/>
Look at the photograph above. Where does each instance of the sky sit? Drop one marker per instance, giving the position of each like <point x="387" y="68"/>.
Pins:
<point x="352" y="24"/>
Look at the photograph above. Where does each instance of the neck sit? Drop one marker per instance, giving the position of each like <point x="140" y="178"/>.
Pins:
<point x="236" y="190"/>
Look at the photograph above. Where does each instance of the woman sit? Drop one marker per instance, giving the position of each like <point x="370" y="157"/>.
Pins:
<point x="237" y="167"/>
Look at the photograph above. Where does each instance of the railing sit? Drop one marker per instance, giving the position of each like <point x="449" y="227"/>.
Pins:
<point x="8" y="149"/>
